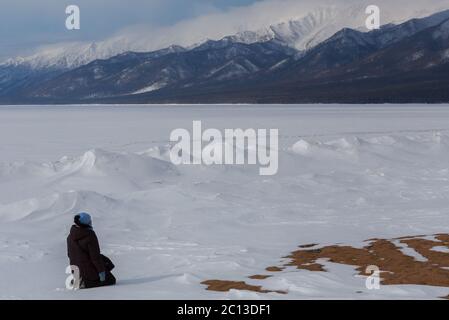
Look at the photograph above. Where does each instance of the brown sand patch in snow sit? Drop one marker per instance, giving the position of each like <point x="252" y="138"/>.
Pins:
<point x="224" y="286"/>
<point x="395" y="266"/>
<point x="306" y="246"/>
<point x="274" y="269"/>
<point x="259" y="277"/>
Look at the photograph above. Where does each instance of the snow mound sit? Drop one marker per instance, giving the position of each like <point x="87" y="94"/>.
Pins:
<point x="388" y="144"/>
<point x="101" y="162"/>
<point x="95" y="163"/>
<point x="158" y="152"/>
<point x="302" y="147"/>
<point x="57" y="205"/>
<point x="21" y="170"/>
<point x="168" y="228"/>
<point x="340" y="148"/>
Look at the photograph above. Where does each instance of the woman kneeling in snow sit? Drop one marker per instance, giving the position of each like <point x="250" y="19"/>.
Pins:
<point x="84" y="252"/>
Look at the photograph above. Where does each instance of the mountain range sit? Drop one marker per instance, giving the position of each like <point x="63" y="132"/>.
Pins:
<point x="312" y="59"/>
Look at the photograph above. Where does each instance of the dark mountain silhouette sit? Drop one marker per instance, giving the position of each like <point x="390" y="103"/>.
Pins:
<point x="398" y="63"/>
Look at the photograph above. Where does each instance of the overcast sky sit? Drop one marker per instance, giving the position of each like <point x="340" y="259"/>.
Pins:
<point x="27" y="23"/>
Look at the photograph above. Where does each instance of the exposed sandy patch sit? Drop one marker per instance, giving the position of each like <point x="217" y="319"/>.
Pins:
<point x="306" y="246"/>
<point x="312" y="267"/>
<point x="224" y="286"/>
<point x="409" y="237"/>
<point x="259" y="277"/>
<point x="396" y="267"/>
<point x="274" y="269"/>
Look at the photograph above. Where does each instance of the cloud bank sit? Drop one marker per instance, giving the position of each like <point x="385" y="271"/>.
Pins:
<point x="215" y="23"/>
<point x="261" y="15"/>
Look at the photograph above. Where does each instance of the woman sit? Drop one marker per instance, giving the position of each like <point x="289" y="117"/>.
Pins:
<point x="84" y="252"/>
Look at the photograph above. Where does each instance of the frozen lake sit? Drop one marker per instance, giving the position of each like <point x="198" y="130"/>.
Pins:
<point x="347" y="173"/>
<point x="45" y="133"/>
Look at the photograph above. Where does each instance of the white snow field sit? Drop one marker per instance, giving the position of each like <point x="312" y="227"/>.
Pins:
<point x="346" y="174"/>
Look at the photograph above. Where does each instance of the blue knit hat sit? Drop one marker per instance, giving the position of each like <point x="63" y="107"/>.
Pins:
<point x="83" y="219"/>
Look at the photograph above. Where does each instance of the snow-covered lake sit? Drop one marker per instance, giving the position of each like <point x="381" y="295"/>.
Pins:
<point x="347" y="174"/>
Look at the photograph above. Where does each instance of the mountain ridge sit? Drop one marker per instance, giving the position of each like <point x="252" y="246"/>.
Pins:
<point x="232" y="71"/>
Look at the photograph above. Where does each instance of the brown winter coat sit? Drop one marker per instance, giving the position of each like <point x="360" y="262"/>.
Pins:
<point x="84" y="252"/>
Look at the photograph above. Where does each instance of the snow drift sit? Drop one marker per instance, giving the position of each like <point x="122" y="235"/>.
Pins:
<point x="168" y="228"/>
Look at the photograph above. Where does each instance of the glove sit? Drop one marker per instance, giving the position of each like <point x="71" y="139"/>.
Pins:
<point x="102" y="276"/>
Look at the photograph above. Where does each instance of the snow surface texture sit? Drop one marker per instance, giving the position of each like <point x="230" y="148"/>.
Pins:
<point x="301" y="25"/>
<point x="347" y="173"/>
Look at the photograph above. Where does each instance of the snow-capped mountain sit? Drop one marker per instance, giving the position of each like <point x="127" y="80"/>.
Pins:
<point x="349" y="45"/>
<point x="307" y="47"/>
<point x="304" y="32"/>
<point x="299" y="31"/>
<point x="321" y="23"/>
<point x="73" y="55"/>
<point x="225" y="70"/>
<point x="138" y="73"/>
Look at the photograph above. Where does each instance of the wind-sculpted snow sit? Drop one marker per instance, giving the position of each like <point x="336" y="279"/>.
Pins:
<point x="93" y="163"/>
<point x="100" y="162"/>
<point x="346" y="174"/>
<point x="376" y="149"/>
<point x="57" y="205"/>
